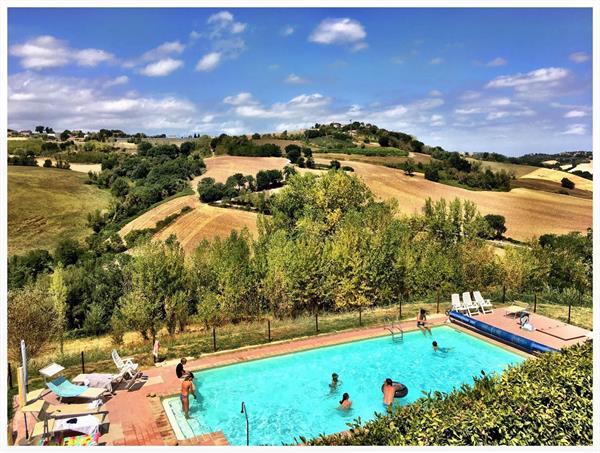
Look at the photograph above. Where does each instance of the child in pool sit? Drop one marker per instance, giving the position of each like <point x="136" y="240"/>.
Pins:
<point x="345" y="403"/>
<point x="436" y="348"/>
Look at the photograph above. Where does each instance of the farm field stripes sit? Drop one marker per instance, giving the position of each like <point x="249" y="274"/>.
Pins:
<point x="528" y="212"/>
<point x="151" y="217"/>
<point x="207" y="222"/>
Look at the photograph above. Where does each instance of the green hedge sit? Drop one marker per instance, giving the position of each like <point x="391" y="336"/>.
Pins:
<point x="544" y="401"/>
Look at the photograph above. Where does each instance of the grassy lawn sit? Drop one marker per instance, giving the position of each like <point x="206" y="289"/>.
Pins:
<point x="46" y="204"/>
<point x="31" y="144"/>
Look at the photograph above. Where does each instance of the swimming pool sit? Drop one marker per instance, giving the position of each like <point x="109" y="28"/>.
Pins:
<point x="289" y="396"/>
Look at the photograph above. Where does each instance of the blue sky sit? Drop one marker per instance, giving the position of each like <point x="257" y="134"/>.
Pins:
<point x="504" y="80"/>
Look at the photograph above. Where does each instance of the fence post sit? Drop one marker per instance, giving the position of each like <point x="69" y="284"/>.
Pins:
<point x="534" y="302"/>
<point x="438" y="301"/>
<point x="214" y="338"/>
<point x="360" y="316"/>
<point x="400" y="309"/>
<point x="82" y="364"/>
<point x="316" y="321"/>
<point x="10" y="379"/>
<point x="269" y="328"/>
<point x="503" y="294"/>
<point x="569" y="316"/>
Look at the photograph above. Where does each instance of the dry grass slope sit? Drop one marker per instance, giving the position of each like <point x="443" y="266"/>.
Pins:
<point x="547" y="174"/>
<point x="46" y="204"/>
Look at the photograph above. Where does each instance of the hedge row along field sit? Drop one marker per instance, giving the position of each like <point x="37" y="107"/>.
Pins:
<point x="545" y="401"/>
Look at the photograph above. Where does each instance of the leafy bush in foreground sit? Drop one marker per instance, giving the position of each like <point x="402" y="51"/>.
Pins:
<point x="545" y="401"/>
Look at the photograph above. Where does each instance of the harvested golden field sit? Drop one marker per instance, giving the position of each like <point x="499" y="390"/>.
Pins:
<point x="221" y="167"/>
<point x="207" y="222"/>
<point x="375" y="160"/>
<point x="556" y="176"/>
<point x="151" y="217"/>
<point x="517" y="169"/>
<point x="48" y="204"/>
<point x="586" y="166"/>
<point x="528" y="212"/>
<point x="549" y="186"/>
<point x="80" y="168"/>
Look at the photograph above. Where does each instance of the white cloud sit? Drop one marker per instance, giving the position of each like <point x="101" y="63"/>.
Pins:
<point x="288" y="30"/>
<point x="222" y="23"/>
<point x="500" y="102"/>
<point x="468" y="110"/>
<point x="542" y="75"/>
<point x="397" y="60"/>
<point x="74" y="103"/>
<point x="359" y="46"/>
<point x="161" y="52"/>
<point x="437" y="120"/>
<point x="470" y="95"/>
<point x="161" y="68"/>
<point x="340" y="31"/>
<point x="494" y="115"/>
<point x="49" y="52"/>
<point x="295" y="79"/>
<point x="498" y="61"/>
<point x="240" y="99"/>
<point x="579" y="57"/>
<point x="208" y="62"/>
<point x="436" y="60"/>
<point x="435" y="93"/>
<point x="574" y="129"/>
<point x="121" y="80"/>
<point x="575" y="114"/>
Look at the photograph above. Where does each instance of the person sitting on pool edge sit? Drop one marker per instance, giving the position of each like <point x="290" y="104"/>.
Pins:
<point x="179" y="371"/>
<point x="422" y="322"/>
<point x="345" y="403"/>
<point x="436" y="348"/>
<point x="187" y="388"/>
<point x="388" y="392"/>
<point x="334" y="381"/>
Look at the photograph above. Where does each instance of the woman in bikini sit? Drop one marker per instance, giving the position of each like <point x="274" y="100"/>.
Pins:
<point x="422" y="322"/>
<point x="187" y="388"/>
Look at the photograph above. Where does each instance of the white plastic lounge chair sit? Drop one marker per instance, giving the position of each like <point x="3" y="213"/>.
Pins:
<point x="43" y="410"/>
<point x="108" y="381"/>
<point x="124" y="366"/>
<point x="469" y="304"/>
<point x="86" y="424"/>
<point x="457" y="304"/>
<point x="483" y="303"/>
<point x="63" y="388"/>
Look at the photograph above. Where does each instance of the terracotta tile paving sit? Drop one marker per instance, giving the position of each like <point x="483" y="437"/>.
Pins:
<point x="139" y="411"/>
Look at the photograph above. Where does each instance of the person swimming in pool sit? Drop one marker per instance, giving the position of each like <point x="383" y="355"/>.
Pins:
<point x="187" y="388"/>
<point x="345" y="403"/>
<point x="436" y="348"/>
<point x="389" y="389"/>
<point x="422" y="322"/>
<point x="334" y="381"/>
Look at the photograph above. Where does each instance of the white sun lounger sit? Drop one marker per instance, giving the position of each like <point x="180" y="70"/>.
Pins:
<point x="469" y="304"/>
<point x="483" y="303"/>
<point x="457" y="304"/>
<point x="125" y="367"/>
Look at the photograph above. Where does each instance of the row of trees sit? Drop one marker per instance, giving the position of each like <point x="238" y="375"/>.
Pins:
<point x="328" y="246"/>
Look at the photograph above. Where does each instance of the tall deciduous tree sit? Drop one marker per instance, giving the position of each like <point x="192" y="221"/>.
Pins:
<point x="58" y="294"/>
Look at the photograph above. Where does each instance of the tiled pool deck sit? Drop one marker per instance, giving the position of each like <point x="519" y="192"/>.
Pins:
<point x="138" y="418"/>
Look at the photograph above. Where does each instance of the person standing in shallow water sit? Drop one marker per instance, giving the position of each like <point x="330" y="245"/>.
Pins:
<point x="345" y="403"/>
<point x="334" y="382"/>
<point x="187" y="389"/>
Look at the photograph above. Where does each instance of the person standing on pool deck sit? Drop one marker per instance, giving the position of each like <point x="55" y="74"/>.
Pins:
<point x="388" y="392"/>
<point x="422" y="322"/>
<point x="187" y="388"/>
<point x="345" y="403"/>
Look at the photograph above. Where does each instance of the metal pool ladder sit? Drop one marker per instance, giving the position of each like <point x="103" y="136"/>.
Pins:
<point x="395" y="331"/>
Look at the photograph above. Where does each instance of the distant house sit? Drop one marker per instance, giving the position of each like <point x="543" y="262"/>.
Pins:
<point x="51" y="136"/>
<point x="25" y="133"/>
<point x="336" y="125"/>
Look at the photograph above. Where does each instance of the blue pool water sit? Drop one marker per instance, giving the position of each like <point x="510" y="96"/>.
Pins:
<point x="289" y="396"/>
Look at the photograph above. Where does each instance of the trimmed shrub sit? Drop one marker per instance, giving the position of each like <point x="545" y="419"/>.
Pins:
<point x="545" y="401"/>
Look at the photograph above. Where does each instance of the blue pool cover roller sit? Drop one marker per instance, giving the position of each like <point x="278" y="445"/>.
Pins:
<point x="500" y="334"/>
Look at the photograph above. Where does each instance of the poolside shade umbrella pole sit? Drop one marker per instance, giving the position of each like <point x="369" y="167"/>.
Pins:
<point x="22" y="395"/>
<point x="24" y="363"/>
<point x="245" y="412"/>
